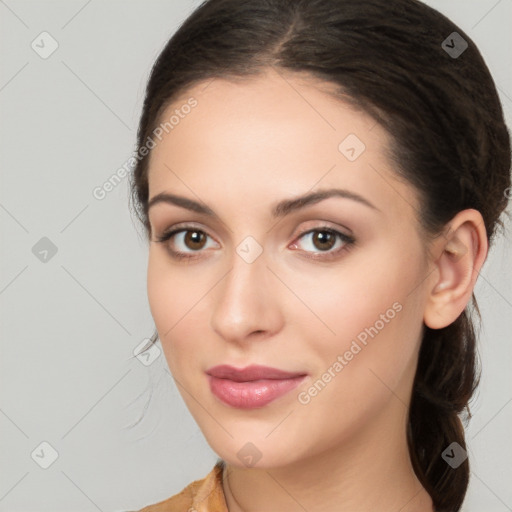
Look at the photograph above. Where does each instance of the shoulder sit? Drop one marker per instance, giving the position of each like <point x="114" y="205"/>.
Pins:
<point x="201" y="495"/>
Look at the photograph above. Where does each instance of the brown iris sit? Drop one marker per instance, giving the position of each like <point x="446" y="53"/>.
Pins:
<point x="324" y="240"/>
<point x="195" y="239"/>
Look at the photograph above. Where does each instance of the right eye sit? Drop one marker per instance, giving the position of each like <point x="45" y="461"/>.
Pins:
<point x="189" y="237"/>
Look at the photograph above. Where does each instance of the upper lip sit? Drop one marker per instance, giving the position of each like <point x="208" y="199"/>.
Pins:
<point x="250" y="373"/>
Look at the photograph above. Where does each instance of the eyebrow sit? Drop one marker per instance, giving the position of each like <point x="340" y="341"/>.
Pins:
<point x="280" y="209"/>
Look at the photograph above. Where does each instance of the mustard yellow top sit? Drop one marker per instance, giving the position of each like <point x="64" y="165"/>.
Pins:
<point x="206" y="495"/>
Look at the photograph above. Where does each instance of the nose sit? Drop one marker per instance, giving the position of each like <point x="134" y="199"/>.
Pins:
<point x="246" y="302"/>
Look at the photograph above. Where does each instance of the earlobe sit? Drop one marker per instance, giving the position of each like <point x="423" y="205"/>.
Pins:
<point x="461" y="253"/>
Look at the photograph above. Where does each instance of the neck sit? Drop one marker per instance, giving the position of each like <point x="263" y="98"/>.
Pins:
<point x="370" y="472"/>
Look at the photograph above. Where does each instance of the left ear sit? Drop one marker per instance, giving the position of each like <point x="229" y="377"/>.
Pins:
<point x="459" y="256"/>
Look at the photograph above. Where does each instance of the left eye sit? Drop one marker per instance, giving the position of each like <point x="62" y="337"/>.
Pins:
<point x="324" y="240"/>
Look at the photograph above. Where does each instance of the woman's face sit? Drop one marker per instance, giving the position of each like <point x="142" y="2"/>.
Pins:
<point x="269" y="285"/>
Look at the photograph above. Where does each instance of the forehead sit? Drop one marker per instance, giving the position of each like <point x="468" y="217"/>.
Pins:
<point x="268" y="137"/>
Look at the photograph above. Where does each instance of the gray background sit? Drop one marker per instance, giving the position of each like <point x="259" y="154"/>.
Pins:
<point x="70" y="324"/>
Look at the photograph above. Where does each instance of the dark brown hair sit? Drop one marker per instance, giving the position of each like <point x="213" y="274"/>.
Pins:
<point x="449" y="138"/>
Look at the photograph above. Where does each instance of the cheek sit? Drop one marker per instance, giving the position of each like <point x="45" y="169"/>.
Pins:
<point x="171" y="291"/>
<point x="178" y="302"/>
<point x="371" y="316"/>
<point x="367" y="364"/>
<point x="356" y="296"/>
<point x="158" y="282"/>
<point x="166" y="297"/>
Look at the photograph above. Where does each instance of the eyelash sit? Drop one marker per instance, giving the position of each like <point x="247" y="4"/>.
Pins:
<point x="348" y="241"/>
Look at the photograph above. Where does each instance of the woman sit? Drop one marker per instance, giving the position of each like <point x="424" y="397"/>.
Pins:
<point x="320" y="181"/>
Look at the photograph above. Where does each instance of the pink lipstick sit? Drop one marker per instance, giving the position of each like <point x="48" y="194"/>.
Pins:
<point x="251" y="387"/>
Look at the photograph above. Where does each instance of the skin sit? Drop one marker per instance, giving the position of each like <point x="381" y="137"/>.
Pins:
<point x="246" y="146"/>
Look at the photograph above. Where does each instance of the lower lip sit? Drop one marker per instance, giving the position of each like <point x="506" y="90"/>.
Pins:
<point x="254" y="394"/>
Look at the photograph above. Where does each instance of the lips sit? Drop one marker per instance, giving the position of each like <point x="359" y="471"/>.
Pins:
<point x="251" y="387"/>
<point x="250" y="373"/>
